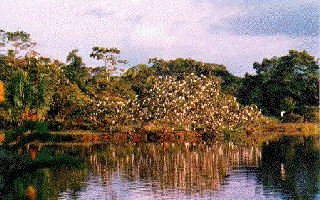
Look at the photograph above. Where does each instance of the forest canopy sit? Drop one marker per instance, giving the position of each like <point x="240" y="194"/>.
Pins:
<point x="182" y="94"/>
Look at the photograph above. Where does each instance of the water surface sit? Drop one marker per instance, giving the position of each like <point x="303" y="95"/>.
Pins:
<point x="288" y="168"/>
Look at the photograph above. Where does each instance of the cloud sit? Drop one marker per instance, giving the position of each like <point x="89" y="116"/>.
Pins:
<point x="290" y="20"/>
<point x="210" y="31"/>
<point x="97" y="12"/>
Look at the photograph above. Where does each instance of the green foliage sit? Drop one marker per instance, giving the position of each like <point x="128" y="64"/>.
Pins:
<point x="137" y="77"/>
<point x="25" y="96"/>
<point x="183" y="67"/>
<point x="181" y="94"/>
<point x="230" y="83"/>
<point x="292" y="117"/>
<point x="287" y="83"/>
<point x="289" y="104"/>
<point x="28" y="132"/>
<point x="108" y="55"/>
<point x="311" y="114"/>
<point x="12" y="135"/>
<point x="76" y="71"/>
<point x="69" y="105"/>
<point x="251" y="91"/>
<point x="15" y="41"/>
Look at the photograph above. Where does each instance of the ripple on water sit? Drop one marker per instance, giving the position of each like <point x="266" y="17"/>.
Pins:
<point x="241" y="181"/>
<point x="168" y="175"/>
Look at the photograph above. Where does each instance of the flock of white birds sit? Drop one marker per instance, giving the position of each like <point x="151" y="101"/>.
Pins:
<point x="192" y="102"/>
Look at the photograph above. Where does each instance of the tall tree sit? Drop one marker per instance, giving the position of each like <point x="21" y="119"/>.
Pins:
<point x="109" y="56"/>
<point x="14" y="42"/>
<point x="76" y="70"/>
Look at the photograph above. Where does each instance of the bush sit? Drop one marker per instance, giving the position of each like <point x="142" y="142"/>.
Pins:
<point x="310" y="129"/>
<point x="311" y="114"/>
<point x="235" y="136"/>
<point x="292" y="118"/>
<point x="213" y="136"/>
<point x="28" y="132"/>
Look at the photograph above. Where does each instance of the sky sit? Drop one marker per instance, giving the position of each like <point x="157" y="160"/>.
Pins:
<point x="232" y="33"/>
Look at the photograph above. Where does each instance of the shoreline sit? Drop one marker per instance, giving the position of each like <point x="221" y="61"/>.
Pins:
<point x="267" y="132"/>
<point x="87" y="137"/>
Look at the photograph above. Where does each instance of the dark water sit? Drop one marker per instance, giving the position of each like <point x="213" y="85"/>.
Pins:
<point x="288" y="168"/>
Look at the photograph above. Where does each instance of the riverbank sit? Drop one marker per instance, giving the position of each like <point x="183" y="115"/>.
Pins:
<point x="267" y="132"/>
<point x="274" y="131"/>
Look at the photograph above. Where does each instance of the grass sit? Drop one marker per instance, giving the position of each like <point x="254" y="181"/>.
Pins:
<point x="274" y="131"/>
<point x="266" y="132"/>
<point x="293" y="129"/>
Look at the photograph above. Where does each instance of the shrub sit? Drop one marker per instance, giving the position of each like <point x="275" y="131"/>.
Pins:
<point x="292" y="118"/>
<point x="311" y="114"/>
<point x="235" y="136"/>
<point x="310" y="129"/>
<point x="28" y="132"/>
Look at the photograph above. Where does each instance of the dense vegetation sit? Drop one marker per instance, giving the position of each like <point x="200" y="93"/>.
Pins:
<point x="289" y="83"/>
<point x="180" y="94"/>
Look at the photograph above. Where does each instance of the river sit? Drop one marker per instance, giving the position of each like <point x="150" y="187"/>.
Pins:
<point x="286" y="168"/>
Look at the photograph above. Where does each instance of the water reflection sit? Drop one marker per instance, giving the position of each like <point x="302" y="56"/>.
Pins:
<point x="25" y="177"/>
<point x="288" y="168"/>
<point x="189" y="168"/>
<point x="292" y="165"/>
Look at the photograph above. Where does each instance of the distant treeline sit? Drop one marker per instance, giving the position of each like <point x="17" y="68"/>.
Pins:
<point x="182" y="94"/>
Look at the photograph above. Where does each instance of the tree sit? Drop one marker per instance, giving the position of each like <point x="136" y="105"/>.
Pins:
<point x="15" y="41"/>
<point x="183" y="67"/>
<point x="191" y="103"/>
<point x="26" y="99"/>
<point x="108" y="55"/>
<point x="290" y="104"/>
<point x="252" y="91"/>
<point x="69" y="106"/>
<point x="76" y="70"/>
<point x="137" y="77"/>
<point x="230" y="83"/>
<point x="293" y="77"/>
<point x="29" y="83"/>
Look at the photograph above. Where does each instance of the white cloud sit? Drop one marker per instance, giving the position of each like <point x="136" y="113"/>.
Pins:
<point x="142" y="29"/>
